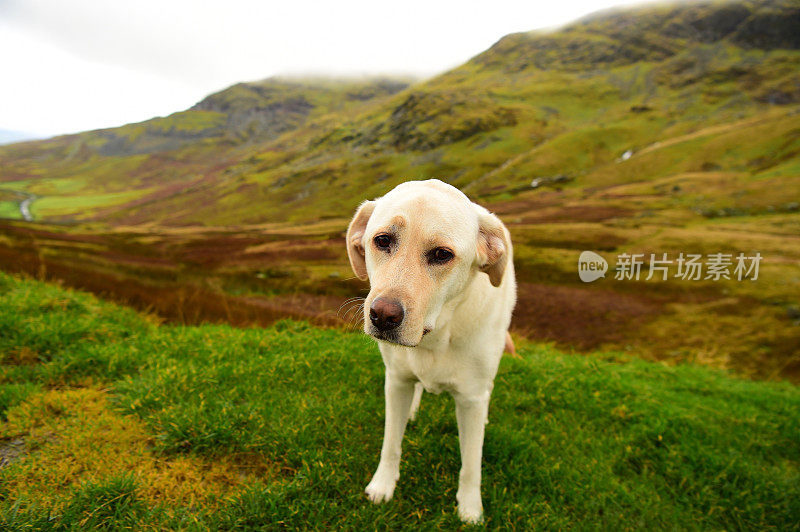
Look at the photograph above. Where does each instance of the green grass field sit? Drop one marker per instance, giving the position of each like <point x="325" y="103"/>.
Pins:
<point x="10" y="210"/>
<point x="112" y="420"/>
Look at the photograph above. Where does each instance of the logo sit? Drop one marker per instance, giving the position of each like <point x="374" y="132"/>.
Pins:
<point x="591" y="266"/>
<point x="690" y="266"/>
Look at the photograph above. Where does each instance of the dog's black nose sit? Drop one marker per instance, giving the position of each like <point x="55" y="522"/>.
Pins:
<point x="385" y="314"/>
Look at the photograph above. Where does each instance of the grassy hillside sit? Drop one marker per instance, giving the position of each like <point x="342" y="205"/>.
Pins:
<point x="88" y="175"/>
<point x="568" y="102"/>
<point x="113" y="420"/>
<point x="241" y="201"/>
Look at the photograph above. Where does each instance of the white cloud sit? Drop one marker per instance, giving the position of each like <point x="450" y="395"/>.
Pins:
<point x="47" y="90"/>
<point x="83" y="64"/>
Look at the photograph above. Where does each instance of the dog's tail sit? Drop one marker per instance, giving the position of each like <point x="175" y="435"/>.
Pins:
<point x="509" y="347"/>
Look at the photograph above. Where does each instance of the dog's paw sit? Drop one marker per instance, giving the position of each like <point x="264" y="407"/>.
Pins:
<point x="381" y="488"/>
<point x="470" y="508"/>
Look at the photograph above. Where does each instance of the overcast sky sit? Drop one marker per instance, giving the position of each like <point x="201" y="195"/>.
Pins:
<point x="73" y="65"/>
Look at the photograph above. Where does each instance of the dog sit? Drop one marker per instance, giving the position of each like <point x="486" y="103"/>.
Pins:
<point x="442" y="290"/>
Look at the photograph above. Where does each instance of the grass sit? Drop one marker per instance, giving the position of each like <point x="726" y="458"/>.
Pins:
<point x="76" y="206"/>
<point x="10" y="210"/>
<point x="122" y="422"/>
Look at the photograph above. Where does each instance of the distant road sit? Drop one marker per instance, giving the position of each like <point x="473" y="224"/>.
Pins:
<point x="24" y="208"/>
<point x="25" y="204"/>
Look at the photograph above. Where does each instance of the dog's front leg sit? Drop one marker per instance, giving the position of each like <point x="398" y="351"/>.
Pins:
<point x="471" y="415"/>
<point x="399" y="394"/>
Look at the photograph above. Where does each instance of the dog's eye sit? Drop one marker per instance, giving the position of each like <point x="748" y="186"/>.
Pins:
<point x="383" y="242"/>
<point x="440" y="256"/>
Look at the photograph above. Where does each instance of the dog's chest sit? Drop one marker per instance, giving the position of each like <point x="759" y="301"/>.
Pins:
<point x="437" y="372"/>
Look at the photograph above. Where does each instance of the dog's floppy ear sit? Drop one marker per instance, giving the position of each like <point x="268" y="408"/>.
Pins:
<point x="355" y="239"/>
<point x="493" y="246"/>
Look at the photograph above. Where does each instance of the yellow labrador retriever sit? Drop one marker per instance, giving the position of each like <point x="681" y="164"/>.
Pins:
<point x="442" y="290"/>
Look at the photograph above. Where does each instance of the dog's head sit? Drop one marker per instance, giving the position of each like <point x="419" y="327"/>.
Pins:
<point x="419" y="246"/>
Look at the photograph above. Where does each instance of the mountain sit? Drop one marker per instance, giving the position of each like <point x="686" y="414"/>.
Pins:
<point x="565" y="102"/>
<point x="666" y="128"/>
<point x="246" y="113"/>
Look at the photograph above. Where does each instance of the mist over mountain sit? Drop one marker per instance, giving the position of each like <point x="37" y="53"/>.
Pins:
<point x="7" y="136"/>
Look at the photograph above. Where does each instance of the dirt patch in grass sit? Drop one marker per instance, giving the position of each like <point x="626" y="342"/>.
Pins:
<point x="295" y="250"/>
<point x="137" y="260"/>
<point x="20" y="356"/>
<point x="211" y="252"/>
<point x="175" y="300"/>
<point x="519" y="205"/>
<point x="588" y="213"/>
<point x="59" y="439"/>
<point x="584" y="318"/>
<point x="11" y="450"/>
<point x="317" y="308"/>
<point x="35" y="234"/>
<point x="538" y="236"/>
